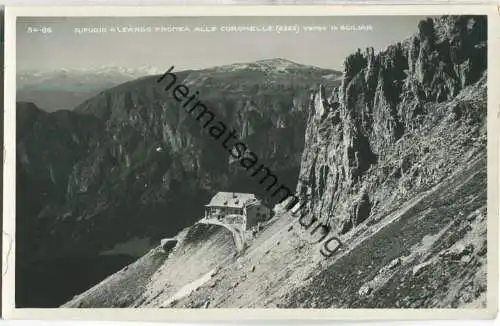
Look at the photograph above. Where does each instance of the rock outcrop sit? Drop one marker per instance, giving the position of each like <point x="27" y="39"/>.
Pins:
<point x="353" y="134"/>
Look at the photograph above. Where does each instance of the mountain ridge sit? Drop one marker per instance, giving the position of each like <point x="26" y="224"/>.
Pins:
<point x="155" y="70"/>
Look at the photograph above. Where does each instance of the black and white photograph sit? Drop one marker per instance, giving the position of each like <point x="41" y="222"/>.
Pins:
<point x="285" y="162"/>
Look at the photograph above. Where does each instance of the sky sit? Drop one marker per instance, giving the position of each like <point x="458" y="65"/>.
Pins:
<point x="47" y="43"/>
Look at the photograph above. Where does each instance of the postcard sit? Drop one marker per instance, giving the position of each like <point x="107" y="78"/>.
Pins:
<point x="251" y="162"/>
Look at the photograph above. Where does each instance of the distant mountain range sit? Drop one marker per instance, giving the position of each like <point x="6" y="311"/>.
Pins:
<point x="59" y="89"/>
<point x="64" y="89"/>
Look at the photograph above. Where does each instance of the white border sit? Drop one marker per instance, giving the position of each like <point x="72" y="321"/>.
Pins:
<point x="201" y="315"/>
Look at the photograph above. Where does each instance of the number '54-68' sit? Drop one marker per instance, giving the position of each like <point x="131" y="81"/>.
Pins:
<point x="39" y="29"/>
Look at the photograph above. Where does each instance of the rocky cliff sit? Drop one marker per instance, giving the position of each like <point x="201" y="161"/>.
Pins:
<point x="368" y="142"/>
<point x="394" y="162"/>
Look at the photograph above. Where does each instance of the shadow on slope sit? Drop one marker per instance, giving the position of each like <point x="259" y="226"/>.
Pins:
<point x="35" y="288"/>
